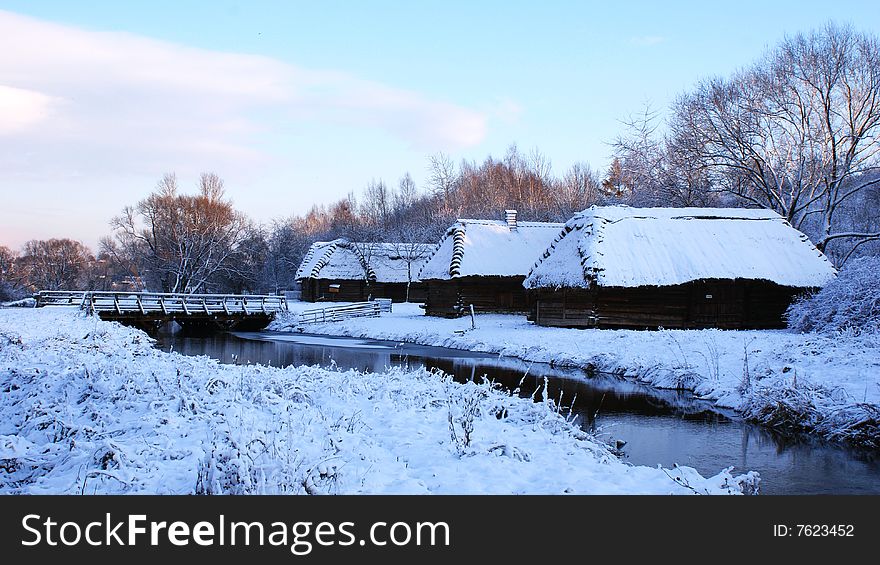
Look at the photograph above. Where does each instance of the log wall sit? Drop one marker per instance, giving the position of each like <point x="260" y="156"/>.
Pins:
<point x="725" y="304"/>
<point x="452" y="298"/>
<point x="318" y="290"/>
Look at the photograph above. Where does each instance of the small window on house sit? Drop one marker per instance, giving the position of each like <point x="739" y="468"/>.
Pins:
<point x="334" y="288"/>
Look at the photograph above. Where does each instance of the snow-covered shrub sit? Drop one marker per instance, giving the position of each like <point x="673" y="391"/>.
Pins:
<point x="850" y="303"/>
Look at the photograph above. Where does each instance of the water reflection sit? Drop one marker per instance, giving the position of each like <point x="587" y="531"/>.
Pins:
<point x="658" y="427"/>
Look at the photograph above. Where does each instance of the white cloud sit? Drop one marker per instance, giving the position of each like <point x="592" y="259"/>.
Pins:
<point x="21" y="109"/>
<point x="647" y="40"/>
<point x="73" y="100"/>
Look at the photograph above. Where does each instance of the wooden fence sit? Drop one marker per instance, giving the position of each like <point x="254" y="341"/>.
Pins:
<point x="370" y="309"/>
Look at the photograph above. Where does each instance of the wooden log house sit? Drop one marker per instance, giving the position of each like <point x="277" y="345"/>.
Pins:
<point x="482" y="263"/>
<point x="344" y="271"/>
<point x="646" y="268"/>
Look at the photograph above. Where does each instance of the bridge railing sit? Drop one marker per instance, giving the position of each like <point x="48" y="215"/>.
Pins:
<point x="60" y="298"/>
<point x="186" y="304"/>
<point x="156" y="303"/>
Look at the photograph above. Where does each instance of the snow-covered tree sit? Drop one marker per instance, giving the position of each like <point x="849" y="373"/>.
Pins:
<point x="851" y="302"/>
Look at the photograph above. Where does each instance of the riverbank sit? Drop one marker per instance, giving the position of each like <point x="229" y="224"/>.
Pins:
<point x="827" y="386"/>
<point x="93" y="407"/>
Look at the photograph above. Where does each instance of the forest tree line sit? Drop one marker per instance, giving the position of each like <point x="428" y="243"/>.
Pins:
<point x="797" y="132"/>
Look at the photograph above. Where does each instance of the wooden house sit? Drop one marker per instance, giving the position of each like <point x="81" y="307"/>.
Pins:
<point x="483" y="263"/>
<point x="622" y="267"/>
<point x="344" y="271"/>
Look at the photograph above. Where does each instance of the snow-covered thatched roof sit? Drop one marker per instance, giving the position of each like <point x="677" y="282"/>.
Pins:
<point x="341" y="259"/>
<point x="619" y="246"/>
<point x="489" y="248"/>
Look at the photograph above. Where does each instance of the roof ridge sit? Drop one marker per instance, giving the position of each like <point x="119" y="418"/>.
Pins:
<point x="309" y="254"/>
<point x="458" y="234"/>
<point x="355" y="247"/>
<point x="595" y="234"/>
<point x="436" y="250"/>
<point x="532" y="223"/>
<point x="313" y="248"/>
<point x="325" y="258"/>
<point x="549" y="250"/>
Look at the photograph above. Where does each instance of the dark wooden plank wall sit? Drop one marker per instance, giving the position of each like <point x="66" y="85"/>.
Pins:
<point x="308" y="290"/>
<point x="712" y="303"/>
<point x="318" y="290"/>
<point x="452" y="298"/>
<point x="397" y="291"/>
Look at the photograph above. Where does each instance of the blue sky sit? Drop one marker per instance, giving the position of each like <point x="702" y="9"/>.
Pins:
<point x="295" y="103"/>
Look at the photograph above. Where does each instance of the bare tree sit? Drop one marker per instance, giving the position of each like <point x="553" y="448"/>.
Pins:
<point x="681" y="183"/>
<point x="247" y="272"/>
<point x="376" y="204"/>
<point x="56" y="264"/>
<point x="616" y="186"/>
<point x="799" y="132"/>
<point x="406" y="194"/>
<point x="860" y="214"/>
<point x="181" y="241"/>
<point x="342" y="217"/>
<point x="578" y="189"/>
<point x="442" y="179"/>
<point x="470" y="189"/>
<point x="635" y="175"/>
<point x="11" y="286"/>
<point x="128" y="266"/>
<point x="288" y="243"/>
<point x="655" y="170"/>
<point x="410" y="245"/>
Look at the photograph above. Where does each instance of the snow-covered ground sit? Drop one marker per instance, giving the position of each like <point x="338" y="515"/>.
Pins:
<point x="23" y="303"/>
<point x="91" y="407"/>
<point x="812" y="382"/>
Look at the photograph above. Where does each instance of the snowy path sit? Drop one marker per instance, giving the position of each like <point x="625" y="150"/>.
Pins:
<point x="829" y="386"/>
<point x="92" y="407"/>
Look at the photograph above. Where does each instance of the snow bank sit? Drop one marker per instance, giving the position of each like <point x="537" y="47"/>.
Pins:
<point x="92" y="407"/>
<point x="22" y="303"/>
<point x="829" y="385"/>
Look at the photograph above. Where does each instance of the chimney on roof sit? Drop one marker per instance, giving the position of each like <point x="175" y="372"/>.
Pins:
<point x="510" y="215"/>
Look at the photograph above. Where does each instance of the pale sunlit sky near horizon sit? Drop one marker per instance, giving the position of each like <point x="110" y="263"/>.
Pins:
<point x="295" y="103"/>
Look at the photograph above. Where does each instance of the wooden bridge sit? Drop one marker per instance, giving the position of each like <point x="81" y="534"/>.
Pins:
<point x="151" y="309"/>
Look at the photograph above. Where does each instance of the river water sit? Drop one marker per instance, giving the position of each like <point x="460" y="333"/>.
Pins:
<point x="658" y="427"/>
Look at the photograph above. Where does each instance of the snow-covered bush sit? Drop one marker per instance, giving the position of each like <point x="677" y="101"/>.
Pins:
<point x="850" y="303"/>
